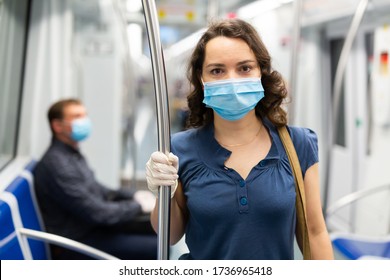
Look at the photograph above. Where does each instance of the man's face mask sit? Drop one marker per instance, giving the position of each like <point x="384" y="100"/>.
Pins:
<point x="232" y="99"/>
<point x="81" y="129"/>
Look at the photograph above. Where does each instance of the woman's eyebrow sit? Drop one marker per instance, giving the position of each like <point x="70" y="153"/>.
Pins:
<point x="223" y="65"/>
<point x="215" y="65"/>
<point x="246" y="61"/>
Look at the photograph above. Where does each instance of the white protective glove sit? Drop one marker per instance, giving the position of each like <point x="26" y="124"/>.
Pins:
<point x="161" y="170"/>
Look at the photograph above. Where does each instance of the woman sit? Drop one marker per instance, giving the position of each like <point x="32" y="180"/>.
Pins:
<point x="234" y="197"/>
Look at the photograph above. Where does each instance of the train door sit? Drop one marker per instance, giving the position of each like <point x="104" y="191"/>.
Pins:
<point x="348" y="150"/>
<point x="360" y="154"/>
<point x="377" y="154"/>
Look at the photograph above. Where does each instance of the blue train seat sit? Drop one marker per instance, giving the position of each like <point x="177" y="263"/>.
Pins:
<point x="10" y="242"/>
<point x="355" y="247"/>
<point x="22" y="188"/>
<point x="22" y="233"/>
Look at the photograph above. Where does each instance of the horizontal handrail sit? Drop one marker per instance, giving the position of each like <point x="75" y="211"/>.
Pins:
<point x="344" y="201"/>
<point x="359" y="237"/>
<point x="66" y="243"/>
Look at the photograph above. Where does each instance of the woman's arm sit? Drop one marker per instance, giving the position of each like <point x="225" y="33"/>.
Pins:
<point x="320" y="245"/>
<point x="178" y="216"/>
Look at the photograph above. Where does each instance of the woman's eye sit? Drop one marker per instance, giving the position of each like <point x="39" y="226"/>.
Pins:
<point x="246" y="68"/>
<point x="216" y="71"/>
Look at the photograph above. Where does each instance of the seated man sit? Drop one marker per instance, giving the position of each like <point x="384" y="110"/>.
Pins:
<point x="76" y="206"/>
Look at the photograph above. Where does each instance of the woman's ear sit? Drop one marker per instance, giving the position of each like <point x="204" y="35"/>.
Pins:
<point x="201" y="80"/>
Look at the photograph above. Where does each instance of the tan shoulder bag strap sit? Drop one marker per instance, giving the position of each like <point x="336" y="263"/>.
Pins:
<point x="300" y="204"/>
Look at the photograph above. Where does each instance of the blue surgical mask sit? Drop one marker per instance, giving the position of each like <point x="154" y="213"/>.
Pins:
<point x="81" y="128"/>
<point x="232" y="99"/>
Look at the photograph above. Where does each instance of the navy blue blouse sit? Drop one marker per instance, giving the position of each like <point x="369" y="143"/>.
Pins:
<point x="233" y="218"/>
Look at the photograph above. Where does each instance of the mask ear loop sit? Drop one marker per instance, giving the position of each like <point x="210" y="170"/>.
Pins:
<point x="201" y="79"/>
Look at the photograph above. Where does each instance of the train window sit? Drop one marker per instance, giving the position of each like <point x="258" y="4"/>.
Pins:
<point x="13" y="17"/>
<point x="336" y="46"/>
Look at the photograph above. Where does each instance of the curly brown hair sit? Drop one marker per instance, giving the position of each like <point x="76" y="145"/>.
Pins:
<point x="274" y="87"/>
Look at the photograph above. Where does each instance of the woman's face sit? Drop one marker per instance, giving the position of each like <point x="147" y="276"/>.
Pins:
<point x="229" y="58"/>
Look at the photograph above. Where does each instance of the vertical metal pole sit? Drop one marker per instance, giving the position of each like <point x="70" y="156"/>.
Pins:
<point x="163" y="127"/>
<point x="294" y="55"/>
<point x="212" y="9"/>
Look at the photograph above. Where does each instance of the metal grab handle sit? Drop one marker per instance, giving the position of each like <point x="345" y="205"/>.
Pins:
<point x="352" y="197"/>
<point x="163" y="127"/>
<point x="63" y="242"/>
